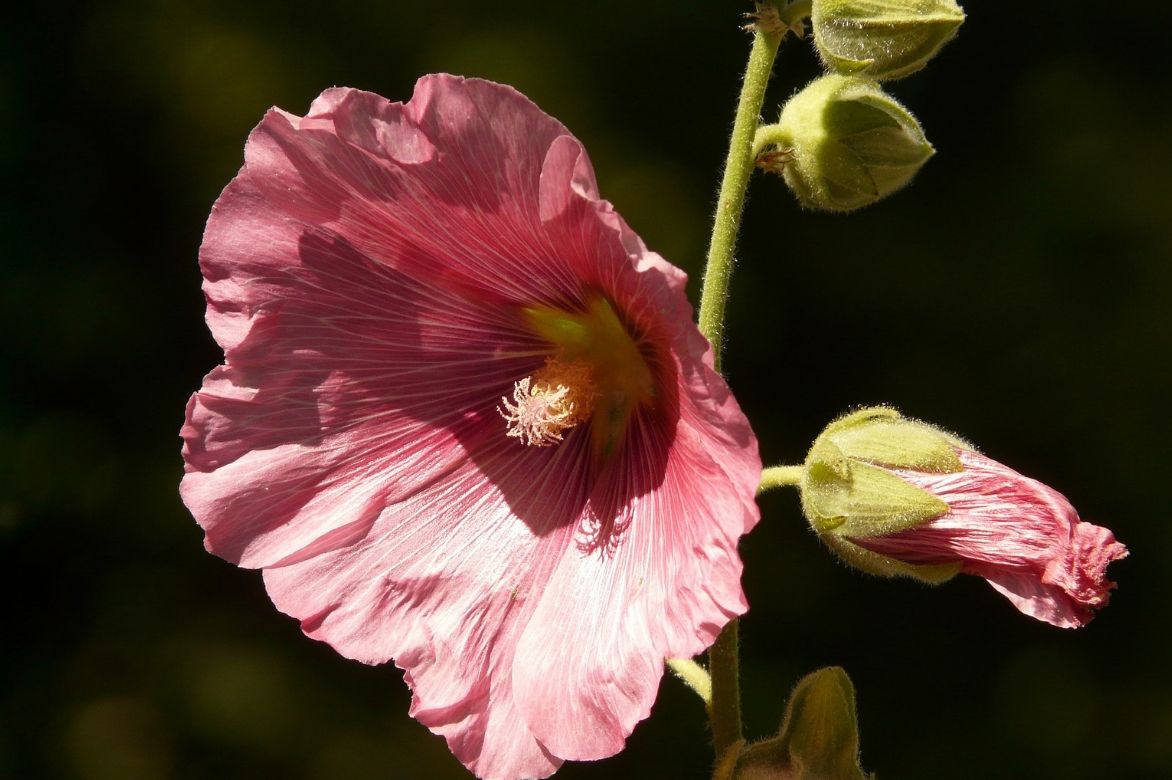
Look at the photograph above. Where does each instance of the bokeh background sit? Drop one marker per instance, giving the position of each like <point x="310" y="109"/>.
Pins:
<point x="1017" y="293"/>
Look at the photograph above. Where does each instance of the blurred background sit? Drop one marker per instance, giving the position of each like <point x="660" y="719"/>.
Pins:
<point x="1016" y="293"/>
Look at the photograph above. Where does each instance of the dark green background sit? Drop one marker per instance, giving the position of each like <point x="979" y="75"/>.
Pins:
<point x="1016" y="293"/>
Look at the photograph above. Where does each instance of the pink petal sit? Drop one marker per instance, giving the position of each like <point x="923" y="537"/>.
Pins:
<point x="1019" y="534"/>
<point x="443" y="584"/>
<point x="663" y="585"/>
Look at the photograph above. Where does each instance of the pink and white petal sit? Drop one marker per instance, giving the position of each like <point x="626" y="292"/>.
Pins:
<point x="443" y="583"/>
<point x="604" y="253"/>
<point x="650" y="295"/>
<point x="287" y="501"/>
<point x="664" y="575"/>
<point x="1081" y="568"/>
<point x="1048" y="603"/>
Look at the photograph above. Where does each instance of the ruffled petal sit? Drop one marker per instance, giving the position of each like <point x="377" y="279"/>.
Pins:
<point x="1021" y="535"/>
<point x="464" y="213"/>
<point x="1048" y="603"/>
<point x="443" y="584"/>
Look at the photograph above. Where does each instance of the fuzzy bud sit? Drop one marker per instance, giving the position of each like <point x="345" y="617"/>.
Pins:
<point x="882" y="39"/>
<point x="846" y="144"/>
<point x="819" y="737"/>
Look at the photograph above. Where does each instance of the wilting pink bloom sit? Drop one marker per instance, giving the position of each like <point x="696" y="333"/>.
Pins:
<point x="1022" y="536"/>
<point x="465" y="422"/>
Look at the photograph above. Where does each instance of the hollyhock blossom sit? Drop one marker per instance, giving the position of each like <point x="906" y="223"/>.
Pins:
<point x="899" y="497"/>
<point x="465" y="421"/>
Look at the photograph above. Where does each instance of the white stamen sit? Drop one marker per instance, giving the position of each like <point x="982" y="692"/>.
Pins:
<point x="544" y="406"/>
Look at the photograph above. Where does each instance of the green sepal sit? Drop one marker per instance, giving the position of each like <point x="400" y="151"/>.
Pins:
<point x="882" y="39"/>
<point x="819" y="736"/>
<point x="866" y="414"/>
<point x="870" y="502"/>
<point x="887" y="143"/>
<point x="880" y="435"/>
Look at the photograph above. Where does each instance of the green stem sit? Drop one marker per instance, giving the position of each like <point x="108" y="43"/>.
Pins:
<point x="731" y="201"/>
<point x="724" y="710"/>
<point x="694" y="676"/>
<point x="780" y="476"/>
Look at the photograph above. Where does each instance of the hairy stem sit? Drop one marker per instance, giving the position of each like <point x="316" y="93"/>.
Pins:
<point x="731" y="201"/>
<point x="769" y="135"/>
<point x="724" y="710"/>
<point x="694" y="676"/>
<point x="780" y="476"/>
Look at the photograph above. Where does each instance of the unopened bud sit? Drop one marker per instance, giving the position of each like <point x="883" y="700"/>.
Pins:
<point x="882" y="39"/>
<point x="819" y="738"/>
<point x="847" y="144"/>
<point x="896" y="496"/>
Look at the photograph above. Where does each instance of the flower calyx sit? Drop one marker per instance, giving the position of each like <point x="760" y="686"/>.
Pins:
<point x="851" y="489"/>
<point x="882" y="39"/>
<point x="778" y="17"/>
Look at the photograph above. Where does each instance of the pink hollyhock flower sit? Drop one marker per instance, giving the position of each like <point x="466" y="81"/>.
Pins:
<point x="898" y="497"/>
<point x="465" y="421"/>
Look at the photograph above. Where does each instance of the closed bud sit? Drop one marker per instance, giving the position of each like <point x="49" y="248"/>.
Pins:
<point x="819" y="738"/>
<point x="895" y="496"/>
<point x="882" y="39"/>
<point x="846" y="144"/>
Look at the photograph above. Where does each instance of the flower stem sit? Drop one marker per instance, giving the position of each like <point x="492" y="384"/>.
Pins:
<point x="780" y="476"/>
<point x="694" y="676"/>
<point x="724" y="711"/>
<point x="769" y="135"/>
<point x="731" y="201"/>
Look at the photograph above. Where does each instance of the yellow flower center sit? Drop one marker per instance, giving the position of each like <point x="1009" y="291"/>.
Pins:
<point x="597" y="373"/>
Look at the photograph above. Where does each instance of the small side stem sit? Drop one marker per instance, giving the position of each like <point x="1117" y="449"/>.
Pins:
<point x="694" y="676"/>
<point x="769" y="135"/>
<point x="731" y="201"/>
<point x="780" y="476"/>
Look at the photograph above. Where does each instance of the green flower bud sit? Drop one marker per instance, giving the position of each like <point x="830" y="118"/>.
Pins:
<point x="846" y="144"/>
<point x="849" y="489"/>
<point x="882" y="39"/>
<point x="819" y="738"/>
